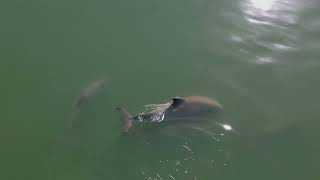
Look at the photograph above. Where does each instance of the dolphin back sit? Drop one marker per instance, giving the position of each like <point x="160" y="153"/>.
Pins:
<point x="192" y="106"/>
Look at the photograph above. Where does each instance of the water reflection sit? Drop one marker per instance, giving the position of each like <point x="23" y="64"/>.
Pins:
<point x="264" y="60"/>
<point x="266" y="11"/>
<point x="274" y="42"/>
<point x="263" y="4"/>
<point x="269" y="29"/>
<point x="183" y="163"/>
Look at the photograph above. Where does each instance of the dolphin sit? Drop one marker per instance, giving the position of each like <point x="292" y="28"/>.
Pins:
<point x="87" y="94"/>
<point x="89" y="91"/>
<point x="181" y="110"/>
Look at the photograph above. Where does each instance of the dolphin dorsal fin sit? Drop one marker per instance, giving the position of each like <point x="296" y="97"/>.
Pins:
<point x="176" y="102"/>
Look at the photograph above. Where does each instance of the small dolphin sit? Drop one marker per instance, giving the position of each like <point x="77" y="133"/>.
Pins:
<point x="89" y="91"/>
<point x="185" y="110"/>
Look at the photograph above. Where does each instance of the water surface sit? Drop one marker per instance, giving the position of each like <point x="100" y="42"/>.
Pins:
<point x="259" y="59"/>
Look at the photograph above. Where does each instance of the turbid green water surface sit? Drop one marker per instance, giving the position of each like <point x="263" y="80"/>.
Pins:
<point x="259" y="58"/>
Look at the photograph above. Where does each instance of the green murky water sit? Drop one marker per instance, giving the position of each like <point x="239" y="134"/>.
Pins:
<point x="259" y="59"/>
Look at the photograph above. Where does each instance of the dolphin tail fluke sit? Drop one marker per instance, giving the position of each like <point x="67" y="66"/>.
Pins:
<point x="126" y="119"/>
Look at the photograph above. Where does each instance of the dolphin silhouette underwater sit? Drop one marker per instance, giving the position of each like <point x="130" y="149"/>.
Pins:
<point x="185" y="112"/>
<point x="89" y="91"/>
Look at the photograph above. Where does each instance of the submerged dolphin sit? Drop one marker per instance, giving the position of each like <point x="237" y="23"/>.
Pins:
<point x="89" y="91"/>
<point x="192" y="109"/>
